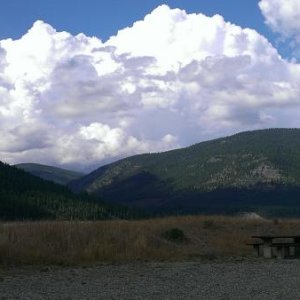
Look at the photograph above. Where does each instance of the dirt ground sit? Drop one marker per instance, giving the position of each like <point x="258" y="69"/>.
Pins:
<point x="273" y="279"/>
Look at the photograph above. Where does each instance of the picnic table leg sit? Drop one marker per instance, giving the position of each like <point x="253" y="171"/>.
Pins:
<point x="267" y="250"/>
<point x="281" y="252"/>
<point x="287" y="251"/>
<point x="256" y="250"/>
<point x="297" y="248"/>
<point x="297" y="252"/>
<point x="276" y="252"/>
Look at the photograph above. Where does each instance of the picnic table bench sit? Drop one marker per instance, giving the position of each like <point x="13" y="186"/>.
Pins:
<point x="279" y="246"/>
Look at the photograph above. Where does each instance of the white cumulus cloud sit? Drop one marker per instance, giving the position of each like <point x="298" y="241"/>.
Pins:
<point x="282" y="16"/>
<point x="169" y="80"/>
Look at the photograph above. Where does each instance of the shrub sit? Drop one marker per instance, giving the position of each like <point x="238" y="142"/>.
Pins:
<point x="207" y="224"/>
<point x="174" y="234"/>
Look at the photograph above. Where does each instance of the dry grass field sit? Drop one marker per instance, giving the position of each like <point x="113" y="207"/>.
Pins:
<point x="167" y="239"/>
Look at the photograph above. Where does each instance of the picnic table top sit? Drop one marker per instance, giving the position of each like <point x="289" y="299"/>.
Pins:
<point x="284" y="244"/>
<point x="268" y="237"/>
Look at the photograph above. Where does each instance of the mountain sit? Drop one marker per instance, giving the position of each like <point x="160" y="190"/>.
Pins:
<point x="25" y="196"/>
<point x="57" y="175"/>
<point x="250" y="171"/>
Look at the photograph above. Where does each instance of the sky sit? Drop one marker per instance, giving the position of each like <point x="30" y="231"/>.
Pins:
<point x="84" y="83"/>
<point x="104" y="18"/>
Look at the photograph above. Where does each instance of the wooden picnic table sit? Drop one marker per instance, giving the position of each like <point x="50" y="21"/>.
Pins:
<point x="279" y="246"/>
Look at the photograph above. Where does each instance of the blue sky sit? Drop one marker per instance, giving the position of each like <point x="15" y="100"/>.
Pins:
<point x="180" y="75"/>
<point x="104" y="18"/>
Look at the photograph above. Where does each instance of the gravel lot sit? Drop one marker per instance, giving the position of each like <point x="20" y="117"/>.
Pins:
<point x="225" y="280"/>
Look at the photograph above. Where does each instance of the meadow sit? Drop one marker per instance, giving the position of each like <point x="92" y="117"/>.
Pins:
<point x="187" y="238"/>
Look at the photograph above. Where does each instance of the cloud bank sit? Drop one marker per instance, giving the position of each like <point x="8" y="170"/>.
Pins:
<point x="170" y="80"/>
<point x="282" y="16"/>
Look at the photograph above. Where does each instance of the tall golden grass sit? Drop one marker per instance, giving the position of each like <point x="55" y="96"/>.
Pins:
<point x="75" y="243"/>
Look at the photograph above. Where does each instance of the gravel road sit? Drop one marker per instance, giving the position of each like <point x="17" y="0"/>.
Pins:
<point x="226" y="280"/>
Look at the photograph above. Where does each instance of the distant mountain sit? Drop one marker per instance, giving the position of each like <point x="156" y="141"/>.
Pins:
<point x="25" y="196"/>
<point x="251" y="171"/>
<point x="57" y="175"/>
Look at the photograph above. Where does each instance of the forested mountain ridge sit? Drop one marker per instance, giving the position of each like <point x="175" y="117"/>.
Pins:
<point x="25" y="196"/>
<point x="256" y="162"/>
<point x="57" y="175"/>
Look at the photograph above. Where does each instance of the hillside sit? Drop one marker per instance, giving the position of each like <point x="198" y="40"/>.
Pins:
<point x="57" y="175"/>
<point x="258" y="170"/>
<point x="24" y="196"/>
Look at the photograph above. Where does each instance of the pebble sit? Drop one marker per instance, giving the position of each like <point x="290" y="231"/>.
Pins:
<point x="273" y="279"/>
